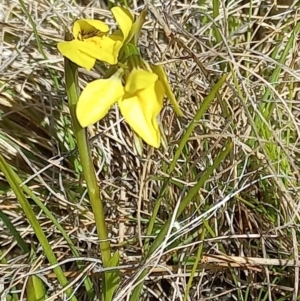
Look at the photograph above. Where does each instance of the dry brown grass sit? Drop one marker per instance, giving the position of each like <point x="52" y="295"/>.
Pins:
<point x="251" y="203"/>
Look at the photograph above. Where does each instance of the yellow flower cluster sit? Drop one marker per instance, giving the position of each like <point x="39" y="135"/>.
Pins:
<point x="137" y="87"/>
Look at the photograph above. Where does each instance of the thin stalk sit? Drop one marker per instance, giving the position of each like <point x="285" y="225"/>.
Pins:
<point x="71" y="74"/>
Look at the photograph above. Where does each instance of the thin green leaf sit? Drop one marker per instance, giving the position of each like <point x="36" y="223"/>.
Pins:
<point x="87" y="282"/>
<point x="192" y="192"/>
<point x="195" y="265"/>
<point x="112" y="279"/>
<point x="204" y="106"/>
<point x="20" y="241"/>
<point x="35" y="289"/>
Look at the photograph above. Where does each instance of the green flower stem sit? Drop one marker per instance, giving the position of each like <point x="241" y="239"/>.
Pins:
<point x="13" y="180"/>
<point x="71" y="74"/>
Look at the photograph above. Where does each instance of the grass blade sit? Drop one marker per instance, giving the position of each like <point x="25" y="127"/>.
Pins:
<point x="21" y="243"/>
<point x="13" y="180"/>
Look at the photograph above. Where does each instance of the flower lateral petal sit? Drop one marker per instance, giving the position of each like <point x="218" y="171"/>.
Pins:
<point x="76" y="30"/>
<point x="160" y="93"/>
<point x="71" y="51"/>
<point x="97" y="98"/>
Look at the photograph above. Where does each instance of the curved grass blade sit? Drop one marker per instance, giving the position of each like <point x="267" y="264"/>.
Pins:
<point x="204" y="106"/>
<point x="194" y="269"/>
<point x="13" y="180"/>
<point x="192" y="192"/>
<point x="14" y="232"/>
<point x="87" y="282"/>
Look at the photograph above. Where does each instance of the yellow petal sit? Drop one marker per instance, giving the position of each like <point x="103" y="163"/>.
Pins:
<point x="88" y="26"/>
<point x="72" y="52"/>
<point x="139" y="79"/>
<point x="152" y="100"/>
<point x="102" y="49"/>
<point x="124" y="19"/>
<point x="140" y="112"/>
<point x="97" y="98"/>
<point x="110" y="48"/>
<point x="132" y="111"/>
<point x="160" y="71"/>
<point x="76" y="30"/>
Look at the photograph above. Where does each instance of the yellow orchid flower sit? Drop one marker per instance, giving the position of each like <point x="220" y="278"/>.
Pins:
<point x="140" y="102"/>
<point x="92" y="40"/>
